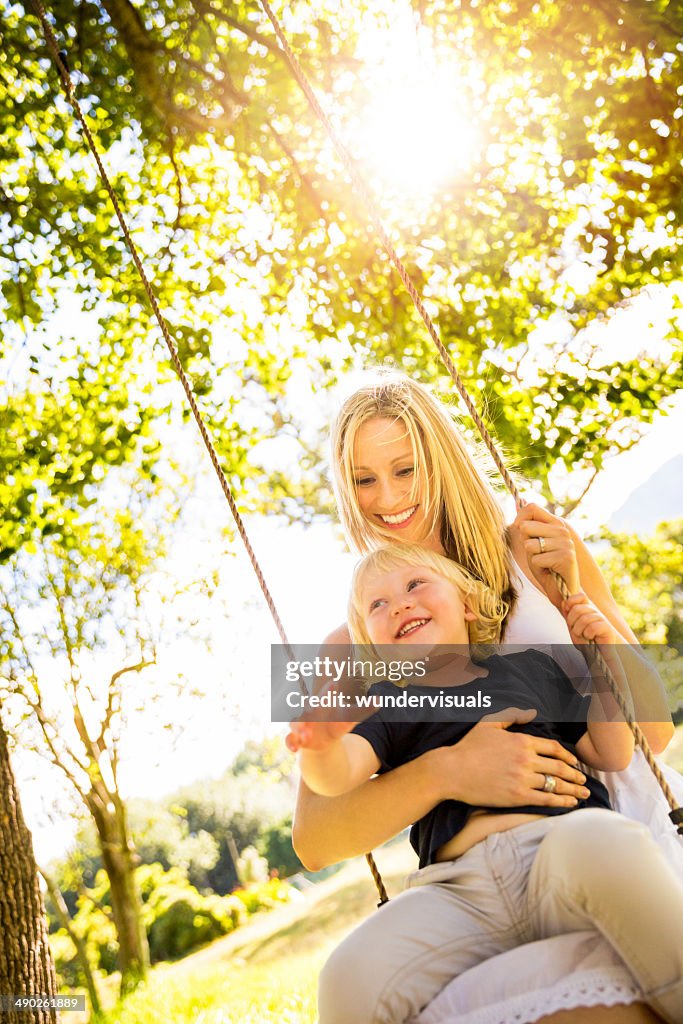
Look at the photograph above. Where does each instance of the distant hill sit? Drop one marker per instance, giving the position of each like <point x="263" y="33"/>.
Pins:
<point x="659" y="499"/>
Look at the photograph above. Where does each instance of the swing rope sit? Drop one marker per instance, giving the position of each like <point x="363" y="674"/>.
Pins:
<point x="676" y="813"/>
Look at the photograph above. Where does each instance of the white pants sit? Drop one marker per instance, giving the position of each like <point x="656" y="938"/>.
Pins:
<point x="590" y="868"/>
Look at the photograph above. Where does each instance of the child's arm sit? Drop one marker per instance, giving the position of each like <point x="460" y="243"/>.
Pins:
<point x="607" y="745"/>
<point x="332" y="760"/>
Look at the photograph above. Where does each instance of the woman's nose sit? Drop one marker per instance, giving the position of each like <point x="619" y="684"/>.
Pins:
<point x="387" y="494"/>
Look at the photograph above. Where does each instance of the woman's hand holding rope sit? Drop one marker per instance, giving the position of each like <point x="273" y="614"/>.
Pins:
<point x="549" y="547"/>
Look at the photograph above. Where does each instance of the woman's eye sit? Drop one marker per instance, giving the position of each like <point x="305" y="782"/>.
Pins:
<point x="413" y="584"/>
<point x="407" y="471"/>
<point x="364" y="481"/>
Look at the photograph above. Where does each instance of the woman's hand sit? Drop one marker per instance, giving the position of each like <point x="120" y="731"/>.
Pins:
<point x="549" y="546"/>
<point x="492" y="767"/>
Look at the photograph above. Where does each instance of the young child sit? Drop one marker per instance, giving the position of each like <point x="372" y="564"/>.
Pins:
<point x="490" y="879"/>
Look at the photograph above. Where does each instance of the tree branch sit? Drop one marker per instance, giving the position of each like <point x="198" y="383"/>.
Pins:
<point x="251" y="33"/>
<point x="145" y="53"/>
<point x="58" y="757"/>
<point x="81" y="951"/>
<point x="113" y="693"/>
<point x="567" y="509"/>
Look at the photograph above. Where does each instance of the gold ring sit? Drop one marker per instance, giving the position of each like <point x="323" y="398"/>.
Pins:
<point x="541" y="544"/>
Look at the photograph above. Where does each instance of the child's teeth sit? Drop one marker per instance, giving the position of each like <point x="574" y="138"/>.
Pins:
<point x="412" y="625"/>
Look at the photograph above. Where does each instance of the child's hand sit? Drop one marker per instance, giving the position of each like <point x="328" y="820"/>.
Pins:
<point x="585" y="622"/>
<point x="315" y="735"/>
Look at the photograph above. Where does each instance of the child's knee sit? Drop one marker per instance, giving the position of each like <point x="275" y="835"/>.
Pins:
<point x="594" y="835"/>
<point x="596" y="847"/>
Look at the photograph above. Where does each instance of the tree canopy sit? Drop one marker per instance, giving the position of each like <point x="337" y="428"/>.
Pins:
<point x="568" y="207"/>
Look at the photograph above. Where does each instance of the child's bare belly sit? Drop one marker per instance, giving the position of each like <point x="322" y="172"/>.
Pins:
<point x="480" y="824"/>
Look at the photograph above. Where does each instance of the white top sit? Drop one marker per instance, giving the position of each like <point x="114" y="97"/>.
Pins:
<point x="536" y="622"/>
<point x="534" y="619"/>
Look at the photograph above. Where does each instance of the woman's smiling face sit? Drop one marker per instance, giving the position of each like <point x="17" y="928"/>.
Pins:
<point x="390" y="493"/>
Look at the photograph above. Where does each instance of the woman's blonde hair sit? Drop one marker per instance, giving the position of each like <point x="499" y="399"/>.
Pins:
<point x="488" y="607"/>
<point x="458" y="493"/>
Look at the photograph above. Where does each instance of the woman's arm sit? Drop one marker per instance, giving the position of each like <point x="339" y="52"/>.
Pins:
<point x="567" y="554"/>
<point x="564" y="552"/>
<point x="489" y="767"/>
<point x="326" y="830"/>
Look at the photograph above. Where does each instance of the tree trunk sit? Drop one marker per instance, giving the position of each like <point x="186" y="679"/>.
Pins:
<point x="118" y="856"/>
<point x="26" y="967"/>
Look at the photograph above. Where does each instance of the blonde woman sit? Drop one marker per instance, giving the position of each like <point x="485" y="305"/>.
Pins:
<point x="403" y="474"/>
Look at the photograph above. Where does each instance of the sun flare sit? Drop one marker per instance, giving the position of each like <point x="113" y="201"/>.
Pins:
<point x="418" y="132"/>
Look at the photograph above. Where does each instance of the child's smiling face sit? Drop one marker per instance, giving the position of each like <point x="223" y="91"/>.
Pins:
<point x="414" y="605"/>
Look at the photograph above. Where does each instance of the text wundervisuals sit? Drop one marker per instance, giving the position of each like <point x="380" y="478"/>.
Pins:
<point x="382" y="701"/>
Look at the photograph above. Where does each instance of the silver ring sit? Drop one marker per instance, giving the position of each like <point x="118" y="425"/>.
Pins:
<point x="550" y="784"/>
<point x="541" y="544"/>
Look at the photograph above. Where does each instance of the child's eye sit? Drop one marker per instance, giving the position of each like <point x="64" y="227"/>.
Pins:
<point x="377" y="603"/>
<point x="414" y="583"/>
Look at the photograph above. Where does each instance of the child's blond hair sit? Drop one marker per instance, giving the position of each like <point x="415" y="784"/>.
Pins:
<point x="488" y="607"/>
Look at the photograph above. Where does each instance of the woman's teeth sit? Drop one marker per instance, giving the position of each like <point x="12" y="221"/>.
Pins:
<point x="399" y="518"/>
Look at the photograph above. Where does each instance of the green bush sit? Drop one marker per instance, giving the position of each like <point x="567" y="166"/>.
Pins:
<point x="64" y="956"/>
<point x="264" y="895"/>
<point x="177" y="917"/>
<point x="275" y="844"/>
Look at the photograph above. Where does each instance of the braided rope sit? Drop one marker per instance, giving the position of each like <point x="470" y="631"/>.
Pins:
<point x="372" y="209"/>
<point x="161" y="321"/>
<point x="377" y="879"/>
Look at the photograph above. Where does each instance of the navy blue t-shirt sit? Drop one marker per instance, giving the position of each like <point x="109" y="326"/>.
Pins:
<point x="528" y="679"/>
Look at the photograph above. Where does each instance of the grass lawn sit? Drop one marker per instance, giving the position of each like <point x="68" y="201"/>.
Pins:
<point x="265" y="972"/>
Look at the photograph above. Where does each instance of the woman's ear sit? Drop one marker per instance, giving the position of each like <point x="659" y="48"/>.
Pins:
<point x="469" y="614"/>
